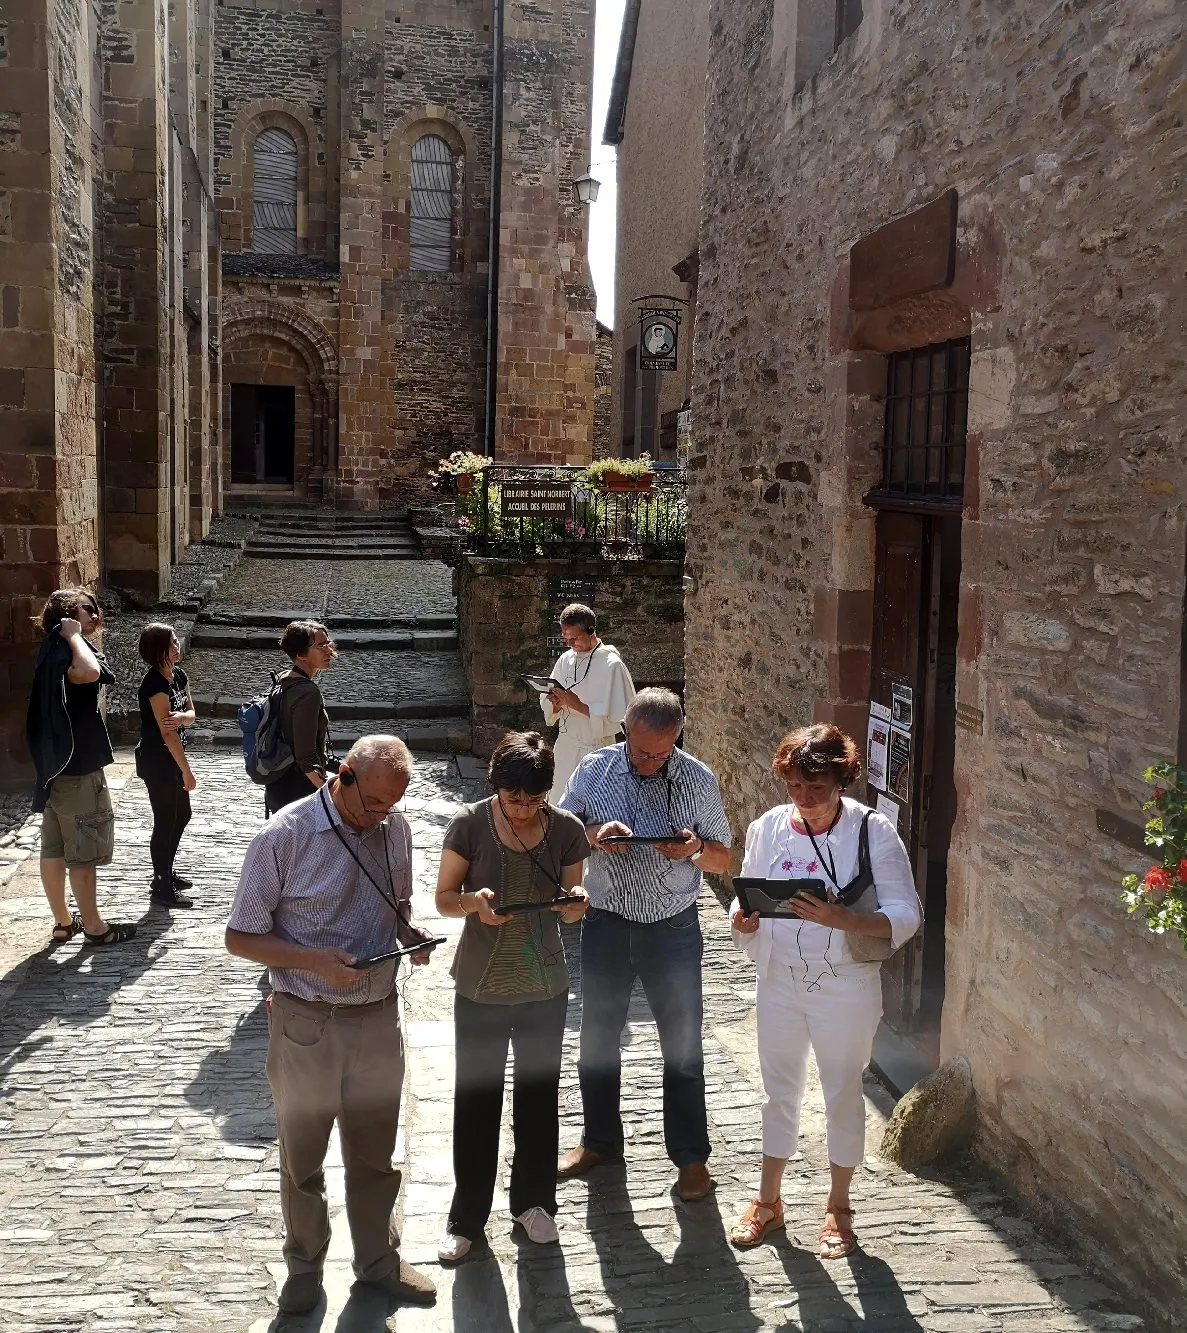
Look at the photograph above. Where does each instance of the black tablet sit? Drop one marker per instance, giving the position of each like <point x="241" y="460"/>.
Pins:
<point x="397" y="953"/>
<point x="772" y="897"/>
<point x="508" y="909"/>
<point x="622" y="839"/>
<point x="541" y="684"/>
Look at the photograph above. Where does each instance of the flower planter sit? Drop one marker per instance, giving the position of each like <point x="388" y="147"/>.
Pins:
<point x="619" y="481"/>
<point x="463" y="483"/>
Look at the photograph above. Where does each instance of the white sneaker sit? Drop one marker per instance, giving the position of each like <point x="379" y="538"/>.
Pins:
<point x="453" y="1248"/>
<point x="540" y="1227"/>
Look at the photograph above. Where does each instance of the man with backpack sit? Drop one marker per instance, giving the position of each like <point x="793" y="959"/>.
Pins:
<point x="304" y="724"/>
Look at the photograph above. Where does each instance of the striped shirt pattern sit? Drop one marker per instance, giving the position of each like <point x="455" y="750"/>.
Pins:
<point x="638" y="883"/>
<point x="300" y="883"/>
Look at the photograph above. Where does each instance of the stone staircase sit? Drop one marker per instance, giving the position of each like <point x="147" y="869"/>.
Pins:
<point x="295" y="534"/>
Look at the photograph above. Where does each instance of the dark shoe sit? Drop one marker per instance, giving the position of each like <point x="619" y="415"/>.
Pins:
<point x="117" y="932"/>
<point x="693" y="1182"/>
<point x="406" y="1284"/>
<point x="180" y="881"/>
<point x="167" y="894"/>
<point x="577" y="1161"/>
<point x="300" y="1293"/>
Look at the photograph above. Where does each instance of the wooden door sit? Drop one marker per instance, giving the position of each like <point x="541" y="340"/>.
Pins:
<point x="905" y="622"/>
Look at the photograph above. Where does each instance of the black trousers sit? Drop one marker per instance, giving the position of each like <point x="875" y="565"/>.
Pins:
<point x="535" y="1031"/>
<point x="284" y="790"/>
<point x="170" y="814"/>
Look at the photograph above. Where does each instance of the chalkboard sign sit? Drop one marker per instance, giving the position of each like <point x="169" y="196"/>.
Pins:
<point x="561" y="592"/>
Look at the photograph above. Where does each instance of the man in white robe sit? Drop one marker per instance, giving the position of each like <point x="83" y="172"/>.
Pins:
<point x="596" y="690"/>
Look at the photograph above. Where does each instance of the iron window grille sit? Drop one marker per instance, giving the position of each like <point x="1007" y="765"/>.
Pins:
<point x="923" y="440"/>
<point x="430" y="231"/>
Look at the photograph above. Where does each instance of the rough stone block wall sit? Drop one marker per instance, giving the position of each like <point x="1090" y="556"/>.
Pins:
<point x="546" y="306"/>
<point x="48" y="511"/>
<point x="1057" y="130"/>
<point x="603" y="438"/>
<point x="504" y="629"/>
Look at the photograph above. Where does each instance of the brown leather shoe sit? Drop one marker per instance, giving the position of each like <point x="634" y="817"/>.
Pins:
<point x="693" y="1182"/>
<point x="577" y="1161"/>
<point x="406" y="1284"/>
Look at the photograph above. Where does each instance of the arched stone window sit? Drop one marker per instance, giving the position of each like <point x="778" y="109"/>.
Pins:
<point x="430" y="229"/>
<point x="274" y="193"/>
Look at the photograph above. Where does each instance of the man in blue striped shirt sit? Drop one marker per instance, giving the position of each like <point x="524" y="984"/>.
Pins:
<point x="642" y="922"/>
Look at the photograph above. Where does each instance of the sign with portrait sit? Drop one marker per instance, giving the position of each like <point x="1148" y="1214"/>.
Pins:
<point x="659" y="337"/>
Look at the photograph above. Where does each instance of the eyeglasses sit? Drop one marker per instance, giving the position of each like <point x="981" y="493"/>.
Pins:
<point x="649" y="758"/>
<point x="532" y="802"/>
<point x="328" y="643"/>
<point x="91" y="608"/>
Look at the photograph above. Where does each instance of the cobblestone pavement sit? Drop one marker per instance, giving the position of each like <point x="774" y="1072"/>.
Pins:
<point x="358" y="676"/>
<point x="138" y="1172"/>
<point x="339" y="588"/>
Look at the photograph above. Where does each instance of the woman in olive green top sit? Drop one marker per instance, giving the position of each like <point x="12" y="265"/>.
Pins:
<point x="512" y="986"/>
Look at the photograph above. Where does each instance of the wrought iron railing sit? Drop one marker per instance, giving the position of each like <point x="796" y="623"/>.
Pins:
<point x="543" y="511"/>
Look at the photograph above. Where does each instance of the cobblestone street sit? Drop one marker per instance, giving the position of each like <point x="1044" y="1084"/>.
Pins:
<point x="138" y="1182"/>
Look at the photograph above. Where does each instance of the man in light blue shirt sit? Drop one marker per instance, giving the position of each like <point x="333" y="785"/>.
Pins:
<point x="642" y="922"/>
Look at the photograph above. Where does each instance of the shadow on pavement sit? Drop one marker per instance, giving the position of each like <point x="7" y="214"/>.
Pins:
<point x="479" y="1298"/>
<point x="822" y="1306"/>
<point x="230" y="1085"/>
<point x="703" y="1271"/>
<point x="71" y="988"/>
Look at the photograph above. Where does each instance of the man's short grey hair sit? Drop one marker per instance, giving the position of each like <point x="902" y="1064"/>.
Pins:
<point x="656" y="709"/>
<point x="370" y="754"/>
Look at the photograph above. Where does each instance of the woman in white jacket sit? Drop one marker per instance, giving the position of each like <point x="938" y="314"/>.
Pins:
<point x="818" y="970"/>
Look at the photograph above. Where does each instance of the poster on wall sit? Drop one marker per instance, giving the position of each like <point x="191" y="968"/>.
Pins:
<point x="561" y="592"/>
<point x="877" y="742"/>
<point x="888" y="807"/>
<point x="902" y="708"/>
<point x="899" y="766"/>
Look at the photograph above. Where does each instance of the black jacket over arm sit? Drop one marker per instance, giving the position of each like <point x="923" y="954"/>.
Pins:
<point x="47" y="724"/>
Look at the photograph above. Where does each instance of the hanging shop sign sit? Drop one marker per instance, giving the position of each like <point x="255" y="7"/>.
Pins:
<point x="659" y="331"/>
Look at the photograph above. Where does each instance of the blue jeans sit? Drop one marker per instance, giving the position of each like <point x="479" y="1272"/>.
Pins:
<point x="666" y="957"/>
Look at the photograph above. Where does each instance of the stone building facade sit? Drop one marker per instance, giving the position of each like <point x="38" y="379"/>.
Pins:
<point x="938" y="467"/>
<point x="354" y="176"/>
<point x="110" y="458"/>
<point x="658" y="129"/>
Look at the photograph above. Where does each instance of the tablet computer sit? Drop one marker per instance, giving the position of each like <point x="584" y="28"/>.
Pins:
<point x="622" y="839"/>
<point x="542" y="684"/>
<point x="509" y="909"/>
<point x="772" y="897"/>
<point x="397" y="953"/>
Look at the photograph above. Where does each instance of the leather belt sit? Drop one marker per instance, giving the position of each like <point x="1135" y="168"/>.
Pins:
<point x="287" y="1000"/>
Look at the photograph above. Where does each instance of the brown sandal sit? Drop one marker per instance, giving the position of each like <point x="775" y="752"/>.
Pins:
<point x="837" y="1240"/>
<point x="66" y="931"/>
<point x="750" y="1229"/>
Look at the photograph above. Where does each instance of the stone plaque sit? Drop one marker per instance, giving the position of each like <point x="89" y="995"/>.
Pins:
<point x="908" y="256"/>
<point x="971" y="719"/>
<point x="536" y="499"/>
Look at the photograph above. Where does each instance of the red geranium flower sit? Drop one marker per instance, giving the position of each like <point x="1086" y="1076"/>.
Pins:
<point x="1183" y="871"/>
<point x="1157" y="881"/>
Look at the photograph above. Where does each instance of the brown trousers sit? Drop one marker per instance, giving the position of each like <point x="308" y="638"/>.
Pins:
<point x="344" y="1064"/>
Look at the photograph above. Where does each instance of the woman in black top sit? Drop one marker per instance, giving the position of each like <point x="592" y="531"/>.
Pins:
<point x="165" y="708"/>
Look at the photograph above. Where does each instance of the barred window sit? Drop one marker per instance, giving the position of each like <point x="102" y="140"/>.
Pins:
<point x="430" y="228"/>
<point x="923" y="443"/>
<point x="274" y="193"/>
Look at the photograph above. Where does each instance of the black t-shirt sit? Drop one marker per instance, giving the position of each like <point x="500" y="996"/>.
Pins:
<point x="92" y="747"/>
<point x="176" y="691"/>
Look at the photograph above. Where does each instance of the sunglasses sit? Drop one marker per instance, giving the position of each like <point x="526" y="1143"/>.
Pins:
<point x="91" y="608"/>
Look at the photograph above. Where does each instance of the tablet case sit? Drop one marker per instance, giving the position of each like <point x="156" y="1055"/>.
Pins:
<point x="772" y="897"/>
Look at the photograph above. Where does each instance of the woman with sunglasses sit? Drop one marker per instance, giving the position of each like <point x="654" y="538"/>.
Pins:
<point x="512" y="986"/>
<point x="161" y="762"/>
<point x="70" y="748"/>
<point x="819" y="986"/>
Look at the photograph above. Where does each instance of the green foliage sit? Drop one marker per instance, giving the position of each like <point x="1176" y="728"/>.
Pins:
<point x="623" y="467"/>
<point x="1161" y="893"/>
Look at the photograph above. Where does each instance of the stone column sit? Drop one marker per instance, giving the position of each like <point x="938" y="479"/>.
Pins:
<point x="365" y="411"/>
<point x="136" y="334"/>
<point x="547" y="335"/>
<point x="48" y="502"/>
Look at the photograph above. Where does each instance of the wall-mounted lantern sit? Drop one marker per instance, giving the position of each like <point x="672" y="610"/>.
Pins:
<point x="586" y="188"/>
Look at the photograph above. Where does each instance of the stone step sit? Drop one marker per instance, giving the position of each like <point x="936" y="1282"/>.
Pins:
<point x="376" y="709"/>
<point x="409" y="640"/>
<point x="339" y="553"/>
<point x="436" y="734"/>
<point x="278" y="619"/>
<point x="298" y="531"/>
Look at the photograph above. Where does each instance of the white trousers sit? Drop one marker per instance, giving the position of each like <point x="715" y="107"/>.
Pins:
<point x="568" y="753"/>
<point x="837" y="1018"/>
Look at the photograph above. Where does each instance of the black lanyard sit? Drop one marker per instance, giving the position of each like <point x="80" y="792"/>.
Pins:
<point x="527" y="851"/>
<point x="391" y="902"/>
<point x="830" y="868"/>
<point x="588" y="664"/>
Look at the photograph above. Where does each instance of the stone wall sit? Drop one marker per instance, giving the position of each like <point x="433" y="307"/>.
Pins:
<point x="504" y="626"/>
<point x="1057" y="131"/>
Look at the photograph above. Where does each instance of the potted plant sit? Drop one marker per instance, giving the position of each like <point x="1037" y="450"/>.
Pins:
<point x="458" y="472"/>
<point x="1160" y="895"/>
<point x="620" y="474"/>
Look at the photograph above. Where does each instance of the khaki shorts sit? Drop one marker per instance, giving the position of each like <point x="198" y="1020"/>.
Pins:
<point x="78" y="824"/>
